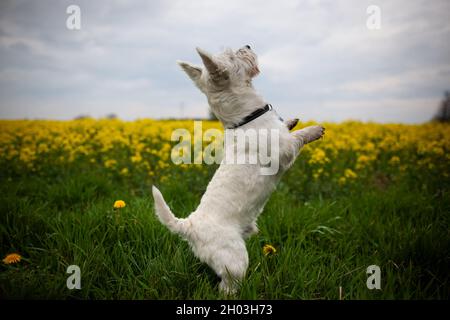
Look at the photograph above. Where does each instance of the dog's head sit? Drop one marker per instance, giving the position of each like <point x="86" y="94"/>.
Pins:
<point x="229" y="69"/>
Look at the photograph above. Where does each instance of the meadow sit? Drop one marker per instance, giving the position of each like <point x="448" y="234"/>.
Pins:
<point x="366" y="194"/>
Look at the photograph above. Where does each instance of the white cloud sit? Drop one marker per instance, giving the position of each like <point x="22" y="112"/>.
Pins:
<point x="400" y="82"/>
<point x="317" y="57"/>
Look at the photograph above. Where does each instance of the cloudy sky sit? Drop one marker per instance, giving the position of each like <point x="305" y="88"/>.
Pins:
<point x="318" y="59"/>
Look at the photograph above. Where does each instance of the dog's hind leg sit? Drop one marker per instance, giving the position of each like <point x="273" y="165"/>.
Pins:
<point x="250" y="230"/>
<point x="231" y="264"/>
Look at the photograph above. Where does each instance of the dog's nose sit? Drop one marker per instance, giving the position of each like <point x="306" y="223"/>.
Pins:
<point x="248" y="47"/>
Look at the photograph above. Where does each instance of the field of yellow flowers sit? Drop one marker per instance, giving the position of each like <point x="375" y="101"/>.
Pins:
<point x="365" y="194"/>
<point x="350" y="151"/>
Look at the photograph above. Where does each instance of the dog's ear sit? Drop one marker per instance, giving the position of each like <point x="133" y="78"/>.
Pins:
<point x="216" y="72"/>
<point x="194" y="72"/>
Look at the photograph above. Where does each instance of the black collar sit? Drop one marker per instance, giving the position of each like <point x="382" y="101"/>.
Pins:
<point x="252" y="116"/>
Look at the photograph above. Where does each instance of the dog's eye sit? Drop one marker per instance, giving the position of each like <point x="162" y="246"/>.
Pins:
<point x="248" y="47"/>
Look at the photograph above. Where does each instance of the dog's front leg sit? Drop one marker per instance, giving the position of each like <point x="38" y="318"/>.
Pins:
<point x="308" y="134"/>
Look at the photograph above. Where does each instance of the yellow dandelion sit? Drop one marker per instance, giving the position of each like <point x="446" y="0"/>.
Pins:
<point x="394" y="160"/>
<point x="318" y="156"/>
<point x="268" y="250"/>
<point x="12" y="258"/>
<point x="363" y="159"/>
<point x="119" y="204"/>
<point x="124" y="172"/>
<point x="350" y="174"/>
<point x="136" y="158"/>
<point x="110" y="163"/>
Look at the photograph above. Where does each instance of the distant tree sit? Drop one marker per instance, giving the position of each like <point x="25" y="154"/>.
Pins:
<point x="443" y="114"/>
<point x="111" y="116"/>
<point x="82" y="117"/>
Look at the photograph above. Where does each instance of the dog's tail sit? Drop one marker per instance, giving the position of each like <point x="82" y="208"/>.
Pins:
<point x="166" y="216"/>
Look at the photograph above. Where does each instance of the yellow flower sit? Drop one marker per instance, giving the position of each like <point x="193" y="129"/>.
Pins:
<point x="12" y="258"/>
<point x="124" y="172"/>
<point x="394" y="160"/>
<point x="350" y="174"/>
<point x="110" y="163"/>
<point x="318" y="156"/>
<point x="136" y="158"/>
<point x="363" y="159"/>
<point x="119" y="204"/>
<point x="317" y="173"/>
<point x="268" y="249"/>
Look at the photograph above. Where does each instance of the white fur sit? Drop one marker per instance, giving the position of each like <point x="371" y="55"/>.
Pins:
<point x="236" y="195"/>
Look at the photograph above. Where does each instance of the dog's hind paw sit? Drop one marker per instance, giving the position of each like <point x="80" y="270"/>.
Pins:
<point x="227" y="288"/>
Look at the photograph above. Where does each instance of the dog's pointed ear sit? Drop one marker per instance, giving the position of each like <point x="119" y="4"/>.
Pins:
<point x="215" y="71"/>
<point x="194" y="72"/>
<point x="208" y="61"/>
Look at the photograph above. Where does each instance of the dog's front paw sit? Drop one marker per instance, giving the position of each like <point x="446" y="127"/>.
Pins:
<point x="312" y="133"/>
<point x="291" y="123"/>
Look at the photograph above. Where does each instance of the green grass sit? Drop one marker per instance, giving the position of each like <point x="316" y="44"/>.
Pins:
<point x="325" y="237"/>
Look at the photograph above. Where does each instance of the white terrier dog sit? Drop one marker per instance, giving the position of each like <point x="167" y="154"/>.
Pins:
<point x="237" y="193"/>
